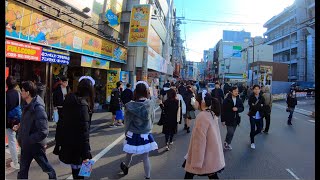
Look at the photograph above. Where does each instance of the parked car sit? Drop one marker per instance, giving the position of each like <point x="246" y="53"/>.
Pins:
<point x="302" y="86"/>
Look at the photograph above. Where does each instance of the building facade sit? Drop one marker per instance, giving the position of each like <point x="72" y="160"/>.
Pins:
<point x="291" y="33"/>
<point x="51" y="39"/>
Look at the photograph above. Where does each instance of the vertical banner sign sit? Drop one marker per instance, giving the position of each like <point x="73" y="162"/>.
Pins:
<point x="139" y="25"/>
<point x="113" y="76"/>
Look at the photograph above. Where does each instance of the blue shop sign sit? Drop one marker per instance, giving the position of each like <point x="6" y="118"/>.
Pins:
<point x="54" y="56"/>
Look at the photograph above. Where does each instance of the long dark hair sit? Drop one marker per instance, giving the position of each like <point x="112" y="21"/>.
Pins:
<point x="171" y="94"/>
<point x="85" y="90"/>
<point x="210" y="101"/>
<point x="141" y="91"/>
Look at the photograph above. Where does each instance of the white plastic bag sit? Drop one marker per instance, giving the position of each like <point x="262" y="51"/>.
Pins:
<point x="193" y="101"/>
<point x="55" y="115"/>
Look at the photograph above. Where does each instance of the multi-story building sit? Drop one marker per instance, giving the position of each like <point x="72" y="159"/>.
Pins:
<point x="291" y="33"/>
<point x="150" y="57"/>
<point x="178" y="51"/>
<point x="235" y="36"/>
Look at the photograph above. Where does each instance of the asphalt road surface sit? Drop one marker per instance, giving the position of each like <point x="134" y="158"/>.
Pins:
<point x="287" y="152"/>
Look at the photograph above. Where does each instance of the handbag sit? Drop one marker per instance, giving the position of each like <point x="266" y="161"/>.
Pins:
<point x="287" y="109"/>
<point x="14" y="115"/>
<point x="55" y="115"/>
<point x="119" y="115"/>
<point x="179" y="112"/>
<point x="162" y="118"/>
<point x="192" y="114"/>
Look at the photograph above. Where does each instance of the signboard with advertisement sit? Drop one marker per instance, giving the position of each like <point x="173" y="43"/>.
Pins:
<point x="26" y="24"/>
<point x="87" y="61"/>
<point x="113" y="76"/>
<point x="231" y="51"/>
<point x="139" y="25"/>
<point x="19" y="50"/>
<point x="113" y="13"/>
<point x="156" y="62"/>
<point x="124" y="77"/>
<point x="55" y="56"/>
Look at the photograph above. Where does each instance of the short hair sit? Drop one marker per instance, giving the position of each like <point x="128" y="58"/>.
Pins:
<point x="171" y="94"/>
<point x="11" y="82"/>
<point x="256" y="85"/>
<point x="36" y="78"/>
<point x="128" y="85"/>
<point x="233" y="88"/>
<point x="31" y="87"/>
<point x="217" y="83"/>
<point x="141" y="91"/>
<point x="63" y="78"/>
<point x="119" y="84"/>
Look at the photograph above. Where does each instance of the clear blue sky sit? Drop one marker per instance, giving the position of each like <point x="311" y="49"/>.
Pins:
<point x="202" y="35"/>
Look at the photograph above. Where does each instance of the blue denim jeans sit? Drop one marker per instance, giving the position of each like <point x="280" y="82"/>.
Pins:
<point x="37" y="152"/>
<point x="291" y="110"/>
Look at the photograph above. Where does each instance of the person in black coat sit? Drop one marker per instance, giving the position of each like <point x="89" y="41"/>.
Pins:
<point x="72" y="136"/>
<point x="115" y="104"/>
<point x="190" y="114"/>
<point x="170" y="125"/>
<point x="127" y="95"/>
<point x="13" y="100"/>
<point x="41" y="88"/>
<point x="217" y="92"/>
<point x="230" y="117"/>
<point x="256" y="113"/>
<point x="291" y="104"/>
<point x="59" y="95"/>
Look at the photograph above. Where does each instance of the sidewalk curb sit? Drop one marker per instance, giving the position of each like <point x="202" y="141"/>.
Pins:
<point x="51" y="142"/>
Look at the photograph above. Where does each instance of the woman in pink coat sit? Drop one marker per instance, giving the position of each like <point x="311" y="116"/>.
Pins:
<point x="205" y="155"/>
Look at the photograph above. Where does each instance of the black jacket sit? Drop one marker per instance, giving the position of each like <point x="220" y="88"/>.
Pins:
<point x="115" y="100"/>
<point x="58" y="96"/>
<point x="34" y="124"/>
<point x="126" y="96"/>
<point x="228" y="116"/>
<point x="187" y="100"/>
<point x="258" y="107"/>
<point x="12" y="101"/>
<point x="291" y="101"/>
<point x="170" y="125"/>
<point x="182" y="90"/>
<point x="72" y="135"/>
<point x="218" y="94"/>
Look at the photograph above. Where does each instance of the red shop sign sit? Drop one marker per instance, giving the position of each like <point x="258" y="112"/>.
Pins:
<point x="20" y="50"/>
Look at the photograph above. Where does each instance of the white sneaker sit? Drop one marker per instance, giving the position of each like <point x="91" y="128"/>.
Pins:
<point x="15" y="166"/>
<point x="171" y="143"/>
<point x="253" y="146"/>
<point x="229" y="147"/>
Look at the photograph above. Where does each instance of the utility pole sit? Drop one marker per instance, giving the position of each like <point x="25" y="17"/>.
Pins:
<point x="252" y="59"/>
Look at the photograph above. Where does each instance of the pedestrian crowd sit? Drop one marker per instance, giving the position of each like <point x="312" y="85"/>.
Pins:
<point x="134" y="108"/>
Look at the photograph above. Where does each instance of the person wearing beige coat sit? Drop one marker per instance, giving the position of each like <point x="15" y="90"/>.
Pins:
<point x="205" y="156"/>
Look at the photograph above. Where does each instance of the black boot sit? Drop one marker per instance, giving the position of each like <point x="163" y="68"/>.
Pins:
<point x="188" y="129"/>
<point x="289" y="122"/>
<point x="75" y="174"/>
<point x="185" y="127"/>
<point x="124" y="168"/>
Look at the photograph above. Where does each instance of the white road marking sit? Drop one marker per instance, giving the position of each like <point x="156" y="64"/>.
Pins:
<point x="296" y="177"/>
<point x="103" y="152"/>
<point x="313" y="121"/>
